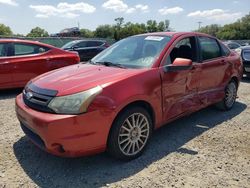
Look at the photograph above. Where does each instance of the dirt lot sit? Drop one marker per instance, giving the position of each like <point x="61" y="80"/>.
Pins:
<point x="207" y="149"/>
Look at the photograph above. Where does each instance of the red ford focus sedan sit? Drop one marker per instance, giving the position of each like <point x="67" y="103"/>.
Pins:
<point x="21" y="60"/>
<point x="115" y="101"/>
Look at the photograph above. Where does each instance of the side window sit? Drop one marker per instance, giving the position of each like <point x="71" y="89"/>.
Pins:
<point x="81" y="44"/>
<point x="92" y="44"/>
<point x="185" y="48"/>
<point x="233" y="46"/>
<point x="99" y="43"/>
<point x="3" y="50"/>
<point x="28" y="49"/>
<point x="210" y="49"/>
<point x="225" y="50"/>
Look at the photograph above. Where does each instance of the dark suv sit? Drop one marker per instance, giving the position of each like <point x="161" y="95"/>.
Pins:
<point x="86" y="49"/>
<point x="245" y="55"/>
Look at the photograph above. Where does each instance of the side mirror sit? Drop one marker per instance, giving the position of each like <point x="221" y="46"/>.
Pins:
<point x="75" y="47"/>
<point x="179" y="64"/>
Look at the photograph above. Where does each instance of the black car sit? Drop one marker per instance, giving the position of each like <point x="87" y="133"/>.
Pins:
<point x="86" y="49"/>
<point x="245" y="54"/>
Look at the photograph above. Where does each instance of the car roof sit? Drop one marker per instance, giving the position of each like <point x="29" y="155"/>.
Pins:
<point x="245" y="47"/>
<point x="176" y="34"/>
<point x="230" y="42"/>
<point x="26" y="41"/>
<point x="83" y="40"/>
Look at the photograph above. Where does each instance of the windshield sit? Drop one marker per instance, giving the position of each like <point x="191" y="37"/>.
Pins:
<point x="69" y="44"/>
<point x="134" y="52"/>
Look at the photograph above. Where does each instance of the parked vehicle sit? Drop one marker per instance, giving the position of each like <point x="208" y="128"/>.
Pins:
<point x="68" y="32"/>
<point x="245" y="55"/>
<point x="115" y="101"/>
<point x="232" y="45"/>
<point x="87" y="49"/>
<point x="21" y="60"/>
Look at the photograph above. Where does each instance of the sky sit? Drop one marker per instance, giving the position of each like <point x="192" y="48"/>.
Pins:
<point x="53" y="16"/>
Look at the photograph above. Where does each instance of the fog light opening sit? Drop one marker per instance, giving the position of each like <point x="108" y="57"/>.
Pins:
<point x="59" y="148"/>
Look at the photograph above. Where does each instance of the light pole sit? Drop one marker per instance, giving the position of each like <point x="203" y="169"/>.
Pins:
<point x="199" y="24"/>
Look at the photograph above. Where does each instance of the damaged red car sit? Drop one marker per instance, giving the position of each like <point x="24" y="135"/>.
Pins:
<point x="116" y="100"/>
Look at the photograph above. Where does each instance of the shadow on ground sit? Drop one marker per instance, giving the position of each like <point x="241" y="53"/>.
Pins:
<point x="50" y="171"/>
<point x="9" y="93"/>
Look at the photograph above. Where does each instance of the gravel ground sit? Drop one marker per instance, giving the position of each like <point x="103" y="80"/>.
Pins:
<point x="210" y="148"/>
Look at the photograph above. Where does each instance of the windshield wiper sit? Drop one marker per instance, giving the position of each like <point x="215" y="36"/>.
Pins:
<point x="110" y="64"/>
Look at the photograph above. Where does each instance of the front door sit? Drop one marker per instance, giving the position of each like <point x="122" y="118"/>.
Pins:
<point x="180" y="88"/>
<point x="6" y="67"/>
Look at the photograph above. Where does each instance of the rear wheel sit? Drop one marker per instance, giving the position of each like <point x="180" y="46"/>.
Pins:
<point x="230" y="97"/>
<point x="130" y="133"/>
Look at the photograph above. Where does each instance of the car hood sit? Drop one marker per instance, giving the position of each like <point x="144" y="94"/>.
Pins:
<point x="81" y="77"/>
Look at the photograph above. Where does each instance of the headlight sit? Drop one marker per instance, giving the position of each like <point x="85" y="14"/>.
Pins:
<point x="76" y="103"/>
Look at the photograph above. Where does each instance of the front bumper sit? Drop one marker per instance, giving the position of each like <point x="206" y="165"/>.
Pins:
<point x="64" y="135"/>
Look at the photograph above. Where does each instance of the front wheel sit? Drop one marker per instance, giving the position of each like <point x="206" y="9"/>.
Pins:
<point x="130" y="133"/>
<point x="230" y="97"/>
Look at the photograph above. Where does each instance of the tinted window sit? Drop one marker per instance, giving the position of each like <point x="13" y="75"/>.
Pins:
<point x="225" y="50"/>
<point x="185" y="48"/>
<point x="233" y="45"/>
<point x="81" y="44"/>
<point x="28" y="49"/>
<point x="209" y="48"/>
<point x="94" y="43"/>
<point x="3" y="50"/>
<point x="246" y="54"/>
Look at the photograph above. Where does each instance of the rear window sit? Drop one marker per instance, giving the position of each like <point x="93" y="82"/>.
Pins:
<point x="94" y="43"/>
<point x="210" y="49"/>
<point x="2" y="50"/>
<point x="225" y="50"/>
<point x="246" y="54"/>
<point x="28" y="49"/>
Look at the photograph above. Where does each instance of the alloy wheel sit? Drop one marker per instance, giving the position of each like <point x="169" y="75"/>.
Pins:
<point x="133" y="134"/>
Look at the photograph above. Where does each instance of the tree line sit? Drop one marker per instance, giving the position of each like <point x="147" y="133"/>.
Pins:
<point x="116" y="31"/>
<point x="238" y="30"/>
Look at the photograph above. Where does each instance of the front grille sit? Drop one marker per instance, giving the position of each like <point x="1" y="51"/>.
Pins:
<point x="33" y="136"/>
<point x="38" y="98"/>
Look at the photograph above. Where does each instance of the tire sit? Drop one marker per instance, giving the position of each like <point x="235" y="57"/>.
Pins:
<point x="230" y="97"/>
<point x="130" y="133"/>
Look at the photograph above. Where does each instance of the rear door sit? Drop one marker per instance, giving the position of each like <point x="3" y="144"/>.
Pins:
<point x="29" y="60"/>
<point x="81" y="48"/>
<point x="214" y="65"/>
<point x="6" y="67"/>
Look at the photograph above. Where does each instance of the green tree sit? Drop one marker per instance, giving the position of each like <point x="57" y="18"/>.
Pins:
<point x="38" y="32"/>
<point x="152" y="26"/>
<point x="104" y="31"/>
<point x="238" y="30"/>
<point x="119" y="22"/>
<point x="210" y="29"/>
<point x="86" y="33"/>
<point x="163" y="26"/>
<point x="5" y="30"/>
